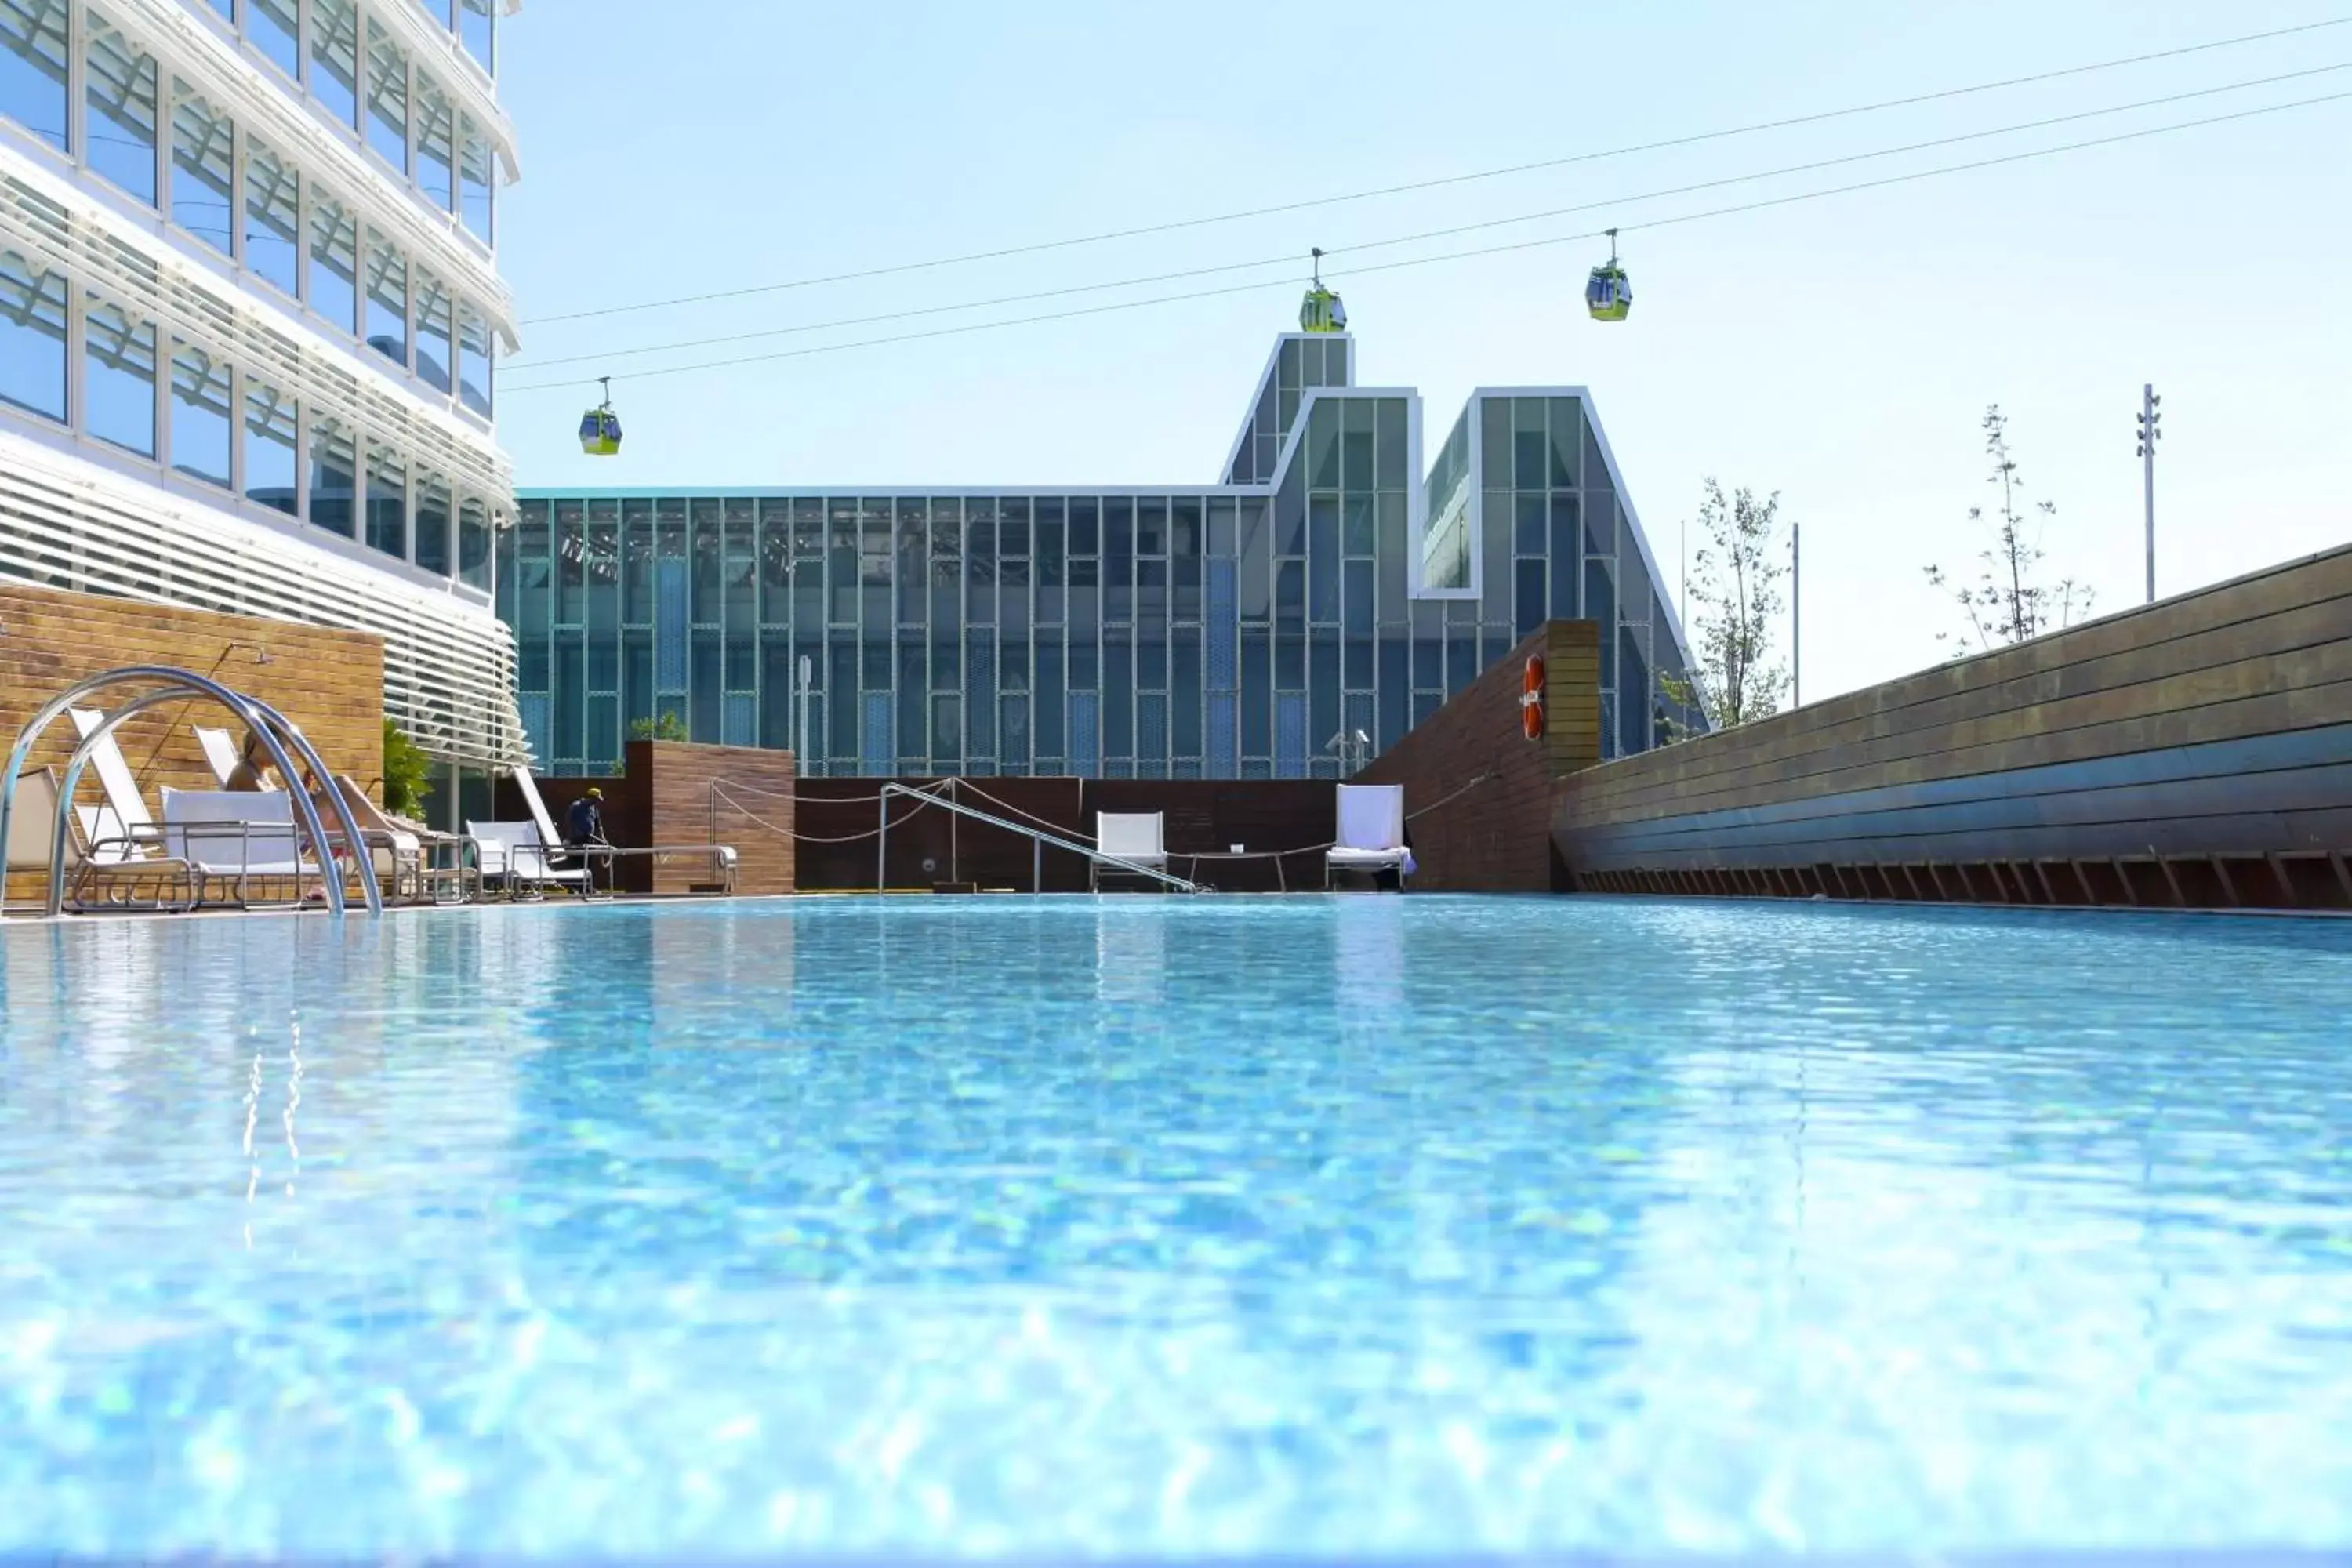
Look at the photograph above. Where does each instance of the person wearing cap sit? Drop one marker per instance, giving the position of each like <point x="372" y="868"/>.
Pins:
<point x="583" y="825"/>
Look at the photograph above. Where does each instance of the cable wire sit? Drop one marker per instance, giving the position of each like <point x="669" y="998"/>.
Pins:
<point x="1815" y="166"/>
<point x="1758" y="205"/>
<point x="1440" y="181"/>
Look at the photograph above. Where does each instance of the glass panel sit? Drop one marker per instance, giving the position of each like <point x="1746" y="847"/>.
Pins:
<point x="1566" y="428"/>
<point x="33" y="50"/>
<point x="1323" y="445"/>
<point x="1395" y="471"/>
<point x="204" y="169"/>
<point x="122" y="95"/>
<point x="200" y="413"/>
<point x="478" y="25"/>
<point x="476" y="200"/>
<point x="433" y="531"/>
<point x="270" y="460"/>
<point x="1495" y="442"/>
<point x="1530" y="449"/>
<point x="387" y="300"/>
<point x="1530" y="532"/>
<point x="1355" y="418"/>
<point x="335" y="59"/>
<point x="477" y="369"/>
<point x="474" y="544"/>
<point x="333" y="476"/>
<point x="334" y="263"/>
<point x="434" y="345"/>
<point x="387" y="120"/>
<point x="387" y="501"/>
<point x="119" y="373"/>
<point x="32" y="334"/>
<point x="273" y="26"/>
<point x="436" y="144"/>
<point x="273" y="218"/>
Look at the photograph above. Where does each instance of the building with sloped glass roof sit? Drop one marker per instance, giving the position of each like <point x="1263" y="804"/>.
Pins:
<point x="1291" y="620"/>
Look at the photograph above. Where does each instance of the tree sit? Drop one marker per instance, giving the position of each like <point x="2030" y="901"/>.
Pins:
<point x="664" y="726"/>
<point x="406" y="772"/>
<point x="1735" y="584"/>
<point x="2009" y="602"/>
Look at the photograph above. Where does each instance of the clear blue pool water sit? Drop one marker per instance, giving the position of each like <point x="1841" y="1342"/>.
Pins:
<point x="1366" y="1227"/>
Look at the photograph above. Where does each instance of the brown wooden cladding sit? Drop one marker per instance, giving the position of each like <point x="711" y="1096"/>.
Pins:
<point x="1484" y="790"/>
<point x="2216" y="724"/>
<point x="329" y="682"/>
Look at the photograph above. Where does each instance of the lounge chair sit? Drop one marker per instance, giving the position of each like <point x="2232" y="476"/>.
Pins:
<point x="1134" y="837"/>
<point x="722" y="858"/>
<point x="123" y="829"/>
<point x="1371" y="833"/>
<point x="517" y="855"/>
<point x="237" y="838"/>
<point x="32" y="833"/>
<point x="406" y="864"/>
<point x="221" y="754"/>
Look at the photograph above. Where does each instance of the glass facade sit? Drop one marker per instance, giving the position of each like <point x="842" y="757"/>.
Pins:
<point x="1246" y="630"/>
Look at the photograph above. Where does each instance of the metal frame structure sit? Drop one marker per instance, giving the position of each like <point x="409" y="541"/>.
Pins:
<point x="278" y="735"/>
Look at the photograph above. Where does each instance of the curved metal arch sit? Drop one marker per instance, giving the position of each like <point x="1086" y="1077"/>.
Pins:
<point x="276" y="732"/>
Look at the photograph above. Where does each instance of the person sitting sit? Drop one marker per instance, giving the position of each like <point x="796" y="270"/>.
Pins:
<point x="583" y="827"/>
<point x="253" y="773"/>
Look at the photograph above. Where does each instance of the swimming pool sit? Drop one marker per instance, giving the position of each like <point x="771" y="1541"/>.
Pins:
<point x="1146" y="1227"/>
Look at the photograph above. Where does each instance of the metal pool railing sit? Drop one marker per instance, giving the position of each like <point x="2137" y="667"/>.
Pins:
<point x="1038" y="839"/>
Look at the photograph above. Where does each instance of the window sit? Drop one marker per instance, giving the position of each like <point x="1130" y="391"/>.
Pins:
<point x="478" y="25"/>
<point x="387" y="501"/>
<point x="334" y="263"/>
<point x="273" y="219"/>
<point x="387" y="300"/>
<point x="333" y="476"/>
<point x="227" y="8"/>
<point x="476" y="203"/>
<point x="32" y="336"/>
<point x="387" y="95"/>
<point x="434" y="338"/>
<point x="474" y="371"/>
<point x="33" y="52"/>
<point x="120" y="377"/>
<point x="274" y="27"/>
<point x="433" y="527"/>
<point x="202" y="409"/>
<point x="120" y="96"/>
<point x="335" y="59"/>
<point x="204" y="169"/>
<point x="437" y="138"/>
<point x="271" y="479"/>
<point x="474" y="544"/>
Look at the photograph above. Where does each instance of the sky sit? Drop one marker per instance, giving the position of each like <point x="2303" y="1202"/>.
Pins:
<point x="1841" y="352"/>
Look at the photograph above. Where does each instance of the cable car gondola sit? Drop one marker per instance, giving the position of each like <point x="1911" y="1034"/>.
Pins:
<point x="1321" y="311"/>
<point x="1609" y="293"/>
<point x="600" y="427"/>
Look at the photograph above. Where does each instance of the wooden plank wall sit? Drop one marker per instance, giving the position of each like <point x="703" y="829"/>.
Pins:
<point x="665" y="796"/>
<point x="329" y="682"/>
<point x="2208" y="728"/>
<point x="1484" y="792"/>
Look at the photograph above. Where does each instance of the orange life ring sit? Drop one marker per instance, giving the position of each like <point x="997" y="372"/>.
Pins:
<point x="1531" y="699"/>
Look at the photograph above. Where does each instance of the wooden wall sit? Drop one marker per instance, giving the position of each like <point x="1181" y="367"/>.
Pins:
<point x="330" y="683"/>
<point x="2197" y="752"/>
<point x="1484" y="790"/>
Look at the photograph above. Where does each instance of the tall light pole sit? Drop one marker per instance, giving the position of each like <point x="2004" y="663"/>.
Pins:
<point x="2150" y="432"/>
<point x="799" y="745"/>
<point x="1796" y="614"/>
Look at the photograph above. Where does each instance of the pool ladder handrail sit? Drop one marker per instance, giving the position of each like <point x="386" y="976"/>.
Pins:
<point x="1037" y="835"/>
<point x="279" y="736"/>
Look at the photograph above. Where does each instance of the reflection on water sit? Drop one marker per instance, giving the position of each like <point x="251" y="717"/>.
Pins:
<point x="1357" y="1225"/>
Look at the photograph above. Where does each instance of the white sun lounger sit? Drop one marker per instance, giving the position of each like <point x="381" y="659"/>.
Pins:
<point x="515" y="854"/>
<point x="1136" y="837"/>
<point x="236" y="838"/>
<point x="122" y="829"/>
<point x="220" y="752"/>
<point x="1372" y="833"/>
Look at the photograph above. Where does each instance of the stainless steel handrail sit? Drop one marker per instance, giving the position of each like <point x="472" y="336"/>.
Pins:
<point x="882" y="851"/>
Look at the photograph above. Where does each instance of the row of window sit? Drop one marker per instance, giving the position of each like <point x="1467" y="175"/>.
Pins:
<point x="184" y="406"/>
<point x="275" y="27"/>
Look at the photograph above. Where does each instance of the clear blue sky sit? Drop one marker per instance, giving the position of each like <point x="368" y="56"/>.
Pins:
<point x="1841" y="352"/>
